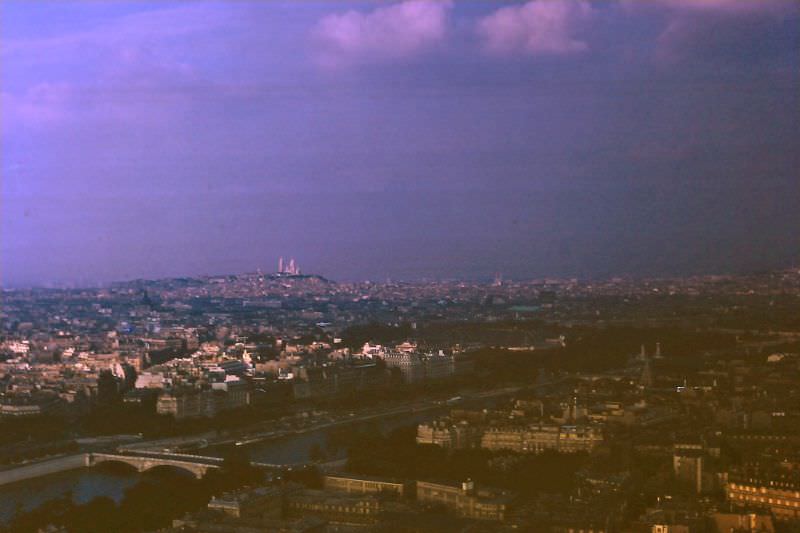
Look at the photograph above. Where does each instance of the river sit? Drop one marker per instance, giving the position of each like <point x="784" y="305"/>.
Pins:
<point x="86" y="484"/>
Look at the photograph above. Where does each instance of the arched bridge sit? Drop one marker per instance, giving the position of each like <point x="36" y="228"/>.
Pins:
<point x="195" y="464"/>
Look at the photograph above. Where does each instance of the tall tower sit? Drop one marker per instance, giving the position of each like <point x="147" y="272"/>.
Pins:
<point x="280" y="265"/>
<point x="646" y="378"/>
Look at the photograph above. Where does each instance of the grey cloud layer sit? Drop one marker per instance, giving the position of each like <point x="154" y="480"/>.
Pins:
<point x="535" y="27"/>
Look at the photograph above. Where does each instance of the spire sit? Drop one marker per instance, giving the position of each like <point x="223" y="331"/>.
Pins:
<point x="646" y="378"/>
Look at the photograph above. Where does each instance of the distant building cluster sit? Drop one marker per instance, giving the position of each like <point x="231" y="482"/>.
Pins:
<point x="288" y="268"/>
<point x="416" y="365"/>
<point x="348" y="501"/>
<point x="768" y="486"/>
<point x="522" y="428"/>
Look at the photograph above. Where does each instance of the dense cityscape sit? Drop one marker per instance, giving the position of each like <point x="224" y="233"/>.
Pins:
<point x="400" y="266"/>
<point x="553" y="405"/>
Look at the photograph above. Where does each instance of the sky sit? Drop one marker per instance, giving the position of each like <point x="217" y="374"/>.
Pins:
<point x="398" y="140"/>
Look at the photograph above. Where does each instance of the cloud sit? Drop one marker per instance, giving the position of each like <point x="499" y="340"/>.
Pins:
<point x="41" y="104"/>
<point x="122" y="71"/>
<point x="741" y="7"/>
<point x="157" y="25"/>
<point x="539" y="27"/>
<point x="398" y="31"/>
<point x="719" y="30"/>
<point x="723" y="30"/>
<point x="137" y="88"/>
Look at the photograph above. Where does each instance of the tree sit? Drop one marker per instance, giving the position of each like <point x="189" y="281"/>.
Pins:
<point x="237" y="469"/>
<point x="107" y="389"/>
<point x="130" y="376"/>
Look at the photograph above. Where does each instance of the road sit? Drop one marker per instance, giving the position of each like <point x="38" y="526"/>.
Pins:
<point x="324" y="421"/>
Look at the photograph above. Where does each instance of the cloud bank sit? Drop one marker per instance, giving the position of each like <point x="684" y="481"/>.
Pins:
<point x="719" y="6"/>
<point x="537" y="27"/>
<point x="721" y="30"/>
<point x="397" y="31"/>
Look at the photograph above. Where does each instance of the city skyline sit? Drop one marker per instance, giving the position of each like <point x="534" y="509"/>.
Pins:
<point x="290" y="267"/>
<point x="152" y="140"/>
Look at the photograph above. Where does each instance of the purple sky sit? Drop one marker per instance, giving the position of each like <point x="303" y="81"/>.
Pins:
<point x="398" y="140"/>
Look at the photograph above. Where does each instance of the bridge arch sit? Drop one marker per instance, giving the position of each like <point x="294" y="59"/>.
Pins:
<point x="100" y="458"/>
<point x="155" y="469"/>
<point x="143" y="464"/>
<point x="116" y="464"/>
